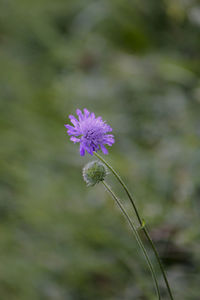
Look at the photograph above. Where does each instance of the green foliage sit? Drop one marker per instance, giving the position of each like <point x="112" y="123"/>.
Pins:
<point x="137" y="64"/>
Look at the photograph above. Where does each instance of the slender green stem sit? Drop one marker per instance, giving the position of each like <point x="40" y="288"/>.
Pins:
<point x="123" y="185"/>
<point x="136" y="236"/>
<point x="159" y="261"/>
<point x="140" y="221"/>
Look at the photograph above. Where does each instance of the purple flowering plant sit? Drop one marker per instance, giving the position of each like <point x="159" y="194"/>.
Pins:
<point x="92" y="133"/>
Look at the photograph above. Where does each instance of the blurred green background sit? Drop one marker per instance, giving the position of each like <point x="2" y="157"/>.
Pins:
<point x="137" y="64"/>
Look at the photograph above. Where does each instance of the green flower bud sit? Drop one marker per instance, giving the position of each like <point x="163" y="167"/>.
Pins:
<point x="94" y="172"/>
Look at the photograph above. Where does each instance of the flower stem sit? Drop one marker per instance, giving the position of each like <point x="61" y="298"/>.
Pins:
<point x="141" y="222"/>
<point x="136" y="236"/>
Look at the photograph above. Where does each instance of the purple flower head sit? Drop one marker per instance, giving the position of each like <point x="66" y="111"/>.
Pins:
<point x="90" y="132"/>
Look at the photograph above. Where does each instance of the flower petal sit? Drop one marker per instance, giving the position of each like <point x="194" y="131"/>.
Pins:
<point x="80" y="114"/>
<point x="104" y="150"/>
<point x="69" y="127"/>
<point x="73" y="120"/>
<point x="74" y="139"/>
<point x="92" y="115"/>
<point x="82" y="150"/>
<point x="108" y="139"/>
<point x="86" y="113"/>
<point x="89" y="149"/>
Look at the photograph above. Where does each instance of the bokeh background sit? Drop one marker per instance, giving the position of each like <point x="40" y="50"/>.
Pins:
<point x="137" y="64"/>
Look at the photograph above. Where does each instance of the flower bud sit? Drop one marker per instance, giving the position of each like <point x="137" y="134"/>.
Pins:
<point x="94" y="172"/>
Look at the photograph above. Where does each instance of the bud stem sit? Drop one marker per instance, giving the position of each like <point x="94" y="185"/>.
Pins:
<point x="131" y="224"/>
<point x="144" y="229"/>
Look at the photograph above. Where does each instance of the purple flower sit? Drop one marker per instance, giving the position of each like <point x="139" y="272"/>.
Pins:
<point x="90" y="132"/>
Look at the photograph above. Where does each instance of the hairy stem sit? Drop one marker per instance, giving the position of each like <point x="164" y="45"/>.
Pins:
<point x="140" y="221"/>
<point x="131" y="224"/>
